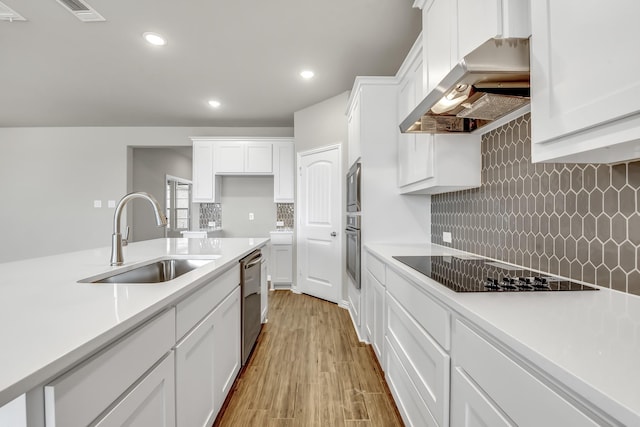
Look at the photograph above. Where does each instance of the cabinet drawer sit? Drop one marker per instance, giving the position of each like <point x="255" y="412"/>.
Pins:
<point x="377" y="268"/>
<point x="423" y="359"/>
<point x="79" y="396"/>
<point x="196" y="306"/>
<point x="279" y="238"/>
<point x="523" y="398"/>
<point x="412" y="408"/>
<point x="434" y="318"/>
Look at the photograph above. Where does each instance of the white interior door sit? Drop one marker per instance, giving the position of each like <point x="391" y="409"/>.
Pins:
<point x="320" y="223"/>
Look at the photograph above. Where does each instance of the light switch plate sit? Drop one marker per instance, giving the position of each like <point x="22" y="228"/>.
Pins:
<point x="251" y="217"/>
<point x="446" y="236"/>
<point x="279" y="223"/>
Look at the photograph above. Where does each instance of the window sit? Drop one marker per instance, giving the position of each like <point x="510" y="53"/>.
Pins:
<point x="178" y="204"/>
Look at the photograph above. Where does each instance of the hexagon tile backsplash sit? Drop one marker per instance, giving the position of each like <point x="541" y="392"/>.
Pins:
<point x="577" y="220"/>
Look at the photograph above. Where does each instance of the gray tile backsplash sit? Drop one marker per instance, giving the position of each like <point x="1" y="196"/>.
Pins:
<point x="210" y="213"/>
<point x="285" y="213"/>
<point x="576" y="220"/>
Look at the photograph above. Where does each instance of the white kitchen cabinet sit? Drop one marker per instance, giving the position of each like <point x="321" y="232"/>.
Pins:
<point x="283" y="172"/>
<point x="207" y="363"/>
<point x="264" y="290"/>
<point x="421" y="356"/>
<point x="206" y="189"/>
<point x="353" y="126"/>
<point x="470" y="407"/>
<point x="281" y="259"/>
<point x="242" y="157"/>
<point x="478" y="360"/>
<point x="149" y="403"/>
<point x="481" y="20"/>
<point x="374" y="297"/>
<point x="432" y="164"/>
<point x="415" y="151"/>
<point x="439" y="39"/>
<point x="107" y="375"/>
<point x="584" y="82"/>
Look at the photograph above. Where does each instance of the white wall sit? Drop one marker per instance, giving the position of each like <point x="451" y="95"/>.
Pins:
<point x="320" y="125"/>
<point x="49" y="178"/>
<point x="241" y="195"/>
<point x="150" y="166"/>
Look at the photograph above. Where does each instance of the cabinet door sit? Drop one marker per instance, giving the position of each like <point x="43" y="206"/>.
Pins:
<point x="470" y="407"/>
<point x="228" y="157"/>
<point x="150" y="403"/>
<point x="203" y="175"/>
<point x="438" y="21"/>
<point x="570" y="91"/>
<point x="377" y="339"/>
<point x="478" y="21"/>
<point x="283" y="172"/>
<point x="282" y="264"/>
<point x="207" y="360"/>
<point x="258" y="158"/>
<point x="368" y="311"/>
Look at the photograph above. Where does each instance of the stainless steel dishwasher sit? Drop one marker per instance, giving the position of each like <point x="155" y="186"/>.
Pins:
<point x="250" y="290"/>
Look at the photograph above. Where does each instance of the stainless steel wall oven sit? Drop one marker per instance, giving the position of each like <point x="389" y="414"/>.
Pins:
<point x="353" y="248"/>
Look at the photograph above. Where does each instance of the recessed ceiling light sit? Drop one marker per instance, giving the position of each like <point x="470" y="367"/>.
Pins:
<point x="307" y="74"/>
<point x="215" y="104"/>
<point x="155" y="39"/>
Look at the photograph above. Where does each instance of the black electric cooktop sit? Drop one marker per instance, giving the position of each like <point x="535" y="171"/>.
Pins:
<point x="476" y="274"/>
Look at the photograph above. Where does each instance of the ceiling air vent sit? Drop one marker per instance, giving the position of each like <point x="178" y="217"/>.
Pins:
<point x="82" y="10"/>
<point x="8" y="14"/>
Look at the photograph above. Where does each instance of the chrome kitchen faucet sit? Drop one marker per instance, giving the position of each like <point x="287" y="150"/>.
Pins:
<point x="117" y="241"/>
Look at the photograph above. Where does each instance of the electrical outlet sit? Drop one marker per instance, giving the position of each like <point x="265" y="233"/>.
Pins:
<point x="251" y="217"/>
<point x="97" y="203"/>
<point x="279" y="223"/>
<point x="111" y="203"/>
<point x="446" y="237"/>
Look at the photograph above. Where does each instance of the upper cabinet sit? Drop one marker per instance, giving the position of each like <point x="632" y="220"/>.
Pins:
<point x="242" y="156"/>
<point x="204" y="183"/>
<point x="431" y="164"/>
<point x="584" y="82"/>
<point x="283" y="172"/>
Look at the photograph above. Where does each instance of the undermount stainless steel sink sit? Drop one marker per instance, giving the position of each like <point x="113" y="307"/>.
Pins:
<point x="155" y="272"/>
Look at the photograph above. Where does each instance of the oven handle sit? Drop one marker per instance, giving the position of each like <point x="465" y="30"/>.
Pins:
<point x="351" y="230"/>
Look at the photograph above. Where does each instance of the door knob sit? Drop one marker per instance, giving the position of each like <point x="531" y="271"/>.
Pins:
<point x="333" y="234"/>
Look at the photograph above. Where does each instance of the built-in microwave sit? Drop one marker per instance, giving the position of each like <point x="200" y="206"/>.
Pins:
<point x="353" y="188"/>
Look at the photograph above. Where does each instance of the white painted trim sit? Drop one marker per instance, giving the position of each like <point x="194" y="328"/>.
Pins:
<point x="178" y="179"/>
<point x="367" y="81"/>
<point x="343" y="304"/>
<point x="355" y="327"/>
<point x="295" y="290"/>
<point x="413" y="54"/>
<point x="242" y="138"/>
<point x="420" y="4"/>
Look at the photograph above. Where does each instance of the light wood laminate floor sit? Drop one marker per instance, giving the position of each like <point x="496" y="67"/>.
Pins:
<point x="309" y="369"/>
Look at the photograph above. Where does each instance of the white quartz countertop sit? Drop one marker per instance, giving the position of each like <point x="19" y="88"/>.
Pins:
<point x="589" y="341"/>
<point x="48" y="321"/>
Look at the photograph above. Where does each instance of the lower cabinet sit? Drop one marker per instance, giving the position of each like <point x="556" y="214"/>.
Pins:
<point x="150" y="403"/>
<point x="423" y="360"/>
<point x="207" y="363"/>
<point x="98" y="385"/>
<point x="492" y="387"/>
<point x="469" y="405"/>
<point x="281" y="259"/>
<point x="374" y="317"/>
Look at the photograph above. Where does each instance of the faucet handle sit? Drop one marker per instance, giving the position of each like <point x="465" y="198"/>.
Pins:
<point x="125" y="238"/>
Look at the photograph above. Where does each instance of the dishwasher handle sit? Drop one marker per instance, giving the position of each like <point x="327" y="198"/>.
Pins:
<point x="252" y="260"/>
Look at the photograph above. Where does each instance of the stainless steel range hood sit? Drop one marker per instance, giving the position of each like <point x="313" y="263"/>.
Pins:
<point x="487" y="84"/>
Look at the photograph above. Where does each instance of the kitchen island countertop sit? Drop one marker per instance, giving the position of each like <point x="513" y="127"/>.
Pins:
<point x="588" y="341"/>
<point x="50" y="322"/>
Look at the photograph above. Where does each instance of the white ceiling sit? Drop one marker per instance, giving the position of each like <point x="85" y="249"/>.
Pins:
<point x="58" y="71"/>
